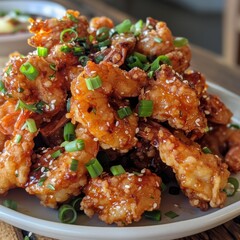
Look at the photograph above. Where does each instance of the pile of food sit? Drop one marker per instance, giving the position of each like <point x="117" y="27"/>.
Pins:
<point x="112" y="113"/>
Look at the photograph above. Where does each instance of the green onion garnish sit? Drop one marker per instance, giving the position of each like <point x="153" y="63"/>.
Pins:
<point x="163" y="187"/>
<point x="104" y="43"/>
<point x="68" y="105"/>
<point x="158" y="40"/>
<point x="83" y="60"/>
<point x="233" y="125"/>
<point x="41" y="181"/>
<point x="232" y="186"/>
<point x="158" y="61"/>
<point x="10" y="204"/>
<point x="29" y="71"/>
<point x="93" y="82"/>
<point x="180" y="41"/>
<point x="69" y="132"/>
<point x="74" y="165"/>
<point x="117" y="170"/>
<point x="76" y="203"/>
<point x="72" y="18"/>
<point x="50" y="186"/>
<point x="36" y="107"/>
<point x="98" y="58"/>
<point x="73" y="146"/>
<point x="94" y="168"/>
<point x="137" y="28"/>
<point x="145" y="108"/>
<point x="18" y="138"/>
<point x="206" y="150"/>
<point x="153" y="215"/>
<point x="102" y="34"/>
<point x="124" y="26"/>
<point x="31" y="125"/>
<point x="56" y="154"/>
<point x="65" y="49"/>
<point x="42" y="51"/>
<point x="171" y="214"/>
<point x="124" y="112"/>
<point x="67" y="214"/>
<point x="2" y="87"/>
<point x="9" y="69"/>
<point x="78" y="51"/>
<point x="68" y="31"/>
<point x="134" y="61"/>
<point x="141" y="57"/>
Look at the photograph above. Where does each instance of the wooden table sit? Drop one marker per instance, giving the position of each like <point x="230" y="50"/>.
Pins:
<point x="212" y="66"/>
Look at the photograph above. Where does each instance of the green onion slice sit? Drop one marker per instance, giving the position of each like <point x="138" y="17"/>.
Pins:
<point x="50" y="186"/>
<point x="104" y="43"/>
<point x="74" y="165"/>
<point x="56" y="154"/>
<point x="67" y="214"/>
<point x="141" y="57"/>
<point x="145" y="108"/>
<point x="36" y="107"/>
<point x="206" y="150"/>
<point x="158" y="40"/>
<point x="42" y="51"/>
<point x="94" y="168"/>
<point x="76" y="145"/>
<point x="117" y="170"/>
<point x="10" y="204"/>
<point x="124" y="26"/>
<point x="83" y="60"/>
<point x="72" y="18"/>
<point x="31" y="125"/>
<point x="137" y="28"/>
<point x="124" y="112"/>
<point x="171" y="214"/>
<point x="153" y="215"/>
<point x="158" y="61"/>
<point x="134" y="61"/>
<point x="66" y="33"/>
<point x="65" y="49"/>
<point x="41" y="181"/>
<point x="93" y="82"/>
<point x="233" y="125"/>
<point x="102" y="34"/>
<point x="76" y="203"/>
<point x="18" y="138"/>
<point x="232" y="186"/>
<point x="180" y="41"/>
<point x="9" y="69"/>
<point x="29" y="71"/>
<point x="69" y="132"/>
<point x="78" y="51"/>
<point x="2" y="87"/>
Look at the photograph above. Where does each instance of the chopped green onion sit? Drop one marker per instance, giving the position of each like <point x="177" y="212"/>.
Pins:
<point x="56" y="154"/>
<point x="233" y="125"/>
<point x="68" y="105"/>
<point x="163" y="187"/>
<point x="42" y="51"/>
<point x="102" y="34"/>
<point x="65" y="49"/>
<point x="68" y="31"/>
<point x="50" y="186"/>
<point x="76" y="203"/>
<point x="153" y="215"/>
<point x="124" y="26"/>
<point x="78" y="51"/>
<point x="37" y="107"/>
<point x="2" y="87"/>
<point x="160" y="59"/>
<point x="206" y="150"/>
<point x="140" y="56"/>
<point x="10" y="204"/>
<point x="72" y="18"/>
<point x="232" y="186"/>
<point x="180" y="41"/>
<point x="93" y="82"/>
<point x="174" y="190"/>
<point x="94" y="168"/>
<point x="83" y="60"/>
<point x="53" y="67"/>
<point x="69" y="132"/>
<point x="74" y="165"/>
<point x="171" y="214"/>
<point x="158" y="40"/>
<point x="41" y="181"/>
<point x="124" y="112"/>
<point x="29" y="71"/>
<point x="145" y="108"/>
<point x="73" y="146"/>
<point x="31" y="125"/>
<point x="98" y="58"/>
<point x="134" y="61"/>
<point x="91" y="38"/>
<point x="67" y="214"/>
<point x="18" y="138"/>
<point x="150" y="74"/>
<point x="63" y="144"/>
<point x="137" y="28"/>
<point x="26" y="238"/>
<point x="9" y="69"/>
<point x="105" y="43"/>
<point x="117" y="170"/>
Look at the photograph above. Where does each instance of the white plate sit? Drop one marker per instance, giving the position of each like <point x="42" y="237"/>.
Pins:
<point x="33" y="217"/>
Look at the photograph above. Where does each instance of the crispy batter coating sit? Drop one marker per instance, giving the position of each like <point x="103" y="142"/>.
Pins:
<point x="175" y="101"/>
<point x="93" y="109"/>
<point x="52" y="180"/>
<point x="202" y="177"/>
<point x="15" y="158"/>
<point x="122" y="199"/>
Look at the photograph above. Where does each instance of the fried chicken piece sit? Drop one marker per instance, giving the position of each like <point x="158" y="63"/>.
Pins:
<point x="122" y="199"/>
<point x="175" y="101"/>
<point x="202" y="177"/>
